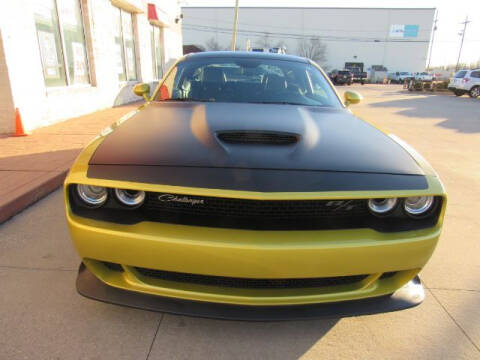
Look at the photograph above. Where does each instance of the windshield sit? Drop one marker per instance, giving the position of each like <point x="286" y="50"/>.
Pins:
<point x="460" y="74"/>
<point x="247" y="80"/>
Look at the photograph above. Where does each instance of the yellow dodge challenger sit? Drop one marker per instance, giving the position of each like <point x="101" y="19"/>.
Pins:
<point x="245" y="188"/>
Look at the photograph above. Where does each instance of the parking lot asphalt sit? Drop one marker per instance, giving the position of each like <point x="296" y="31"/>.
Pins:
<point x="42" y="316"/>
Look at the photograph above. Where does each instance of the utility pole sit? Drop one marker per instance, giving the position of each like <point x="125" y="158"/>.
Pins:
<point x="235" y="24"/>
<point x="248" y="47"/>
<point x="433" y="38"/>
<point x="465" y="23"/>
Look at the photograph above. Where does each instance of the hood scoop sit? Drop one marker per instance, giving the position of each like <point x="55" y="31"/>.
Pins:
<point x="258" y="137"/>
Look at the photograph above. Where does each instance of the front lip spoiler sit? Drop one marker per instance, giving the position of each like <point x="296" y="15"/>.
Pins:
<point x="410" y="295"/>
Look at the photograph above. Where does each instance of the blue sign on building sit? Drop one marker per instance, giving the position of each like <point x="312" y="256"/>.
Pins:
<point x="410" y="31"/>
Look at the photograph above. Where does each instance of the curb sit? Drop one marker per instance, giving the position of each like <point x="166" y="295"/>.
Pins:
<point x="37" y="191"/>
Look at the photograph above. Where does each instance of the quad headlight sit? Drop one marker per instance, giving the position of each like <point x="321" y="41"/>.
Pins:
<point x="382" y="206"/>
<point x="418" y="205"/>
<point x="93" y="196"/>
<point x="130" y="197"/>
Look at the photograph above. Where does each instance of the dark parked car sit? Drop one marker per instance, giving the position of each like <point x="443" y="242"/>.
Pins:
<point x="356" y="68"/>
<point x="341" y="77"/>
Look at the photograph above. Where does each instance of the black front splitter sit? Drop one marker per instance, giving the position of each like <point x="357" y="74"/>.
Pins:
<point x="88" y="285"/>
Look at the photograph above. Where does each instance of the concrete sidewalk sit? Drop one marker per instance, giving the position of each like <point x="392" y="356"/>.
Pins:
<point x="33" y="166"/>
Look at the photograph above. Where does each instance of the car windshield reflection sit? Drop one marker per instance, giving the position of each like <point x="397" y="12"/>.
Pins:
<point x="260" y="81"/>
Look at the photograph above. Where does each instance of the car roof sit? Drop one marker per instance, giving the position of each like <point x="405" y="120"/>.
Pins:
<point x="244" y="54"/>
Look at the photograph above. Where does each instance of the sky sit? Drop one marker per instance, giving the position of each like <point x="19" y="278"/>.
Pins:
<point x="450" y="15"/>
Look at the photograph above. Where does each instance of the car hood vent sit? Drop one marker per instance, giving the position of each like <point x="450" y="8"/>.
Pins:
<point x="258" y="137"/>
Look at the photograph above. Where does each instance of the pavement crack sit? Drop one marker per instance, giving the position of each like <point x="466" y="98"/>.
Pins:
<point x="455" y="321"/>
<point x="455" y="289"/>
<point x="155" y="336"/>
<point x="13" y="267"/>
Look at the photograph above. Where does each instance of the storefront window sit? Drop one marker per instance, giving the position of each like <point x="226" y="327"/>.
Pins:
<point x="125" y="45"/>
<point x="157" y="60"/>
<point x="61" y="40"/>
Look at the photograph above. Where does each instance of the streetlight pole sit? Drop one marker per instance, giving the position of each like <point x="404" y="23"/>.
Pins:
<point x="235" y="24"/>
<point x="465" y="23"/>
<point x="433" y="38"/>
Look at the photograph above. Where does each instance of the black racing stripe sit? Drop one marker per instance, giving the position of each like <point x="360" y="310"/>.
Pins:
<point x="258" y="179"/>
<point x="189" y="135"/>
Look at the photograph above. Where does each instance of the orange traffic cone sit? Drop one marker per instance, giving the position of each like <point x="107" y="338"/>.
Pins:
<point x="19" y="131"/>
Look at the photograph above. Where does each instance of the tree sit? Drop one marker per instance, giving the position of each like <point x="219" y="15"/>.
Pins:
<point x="313" y="49"/>
<point x="212" y="45"/>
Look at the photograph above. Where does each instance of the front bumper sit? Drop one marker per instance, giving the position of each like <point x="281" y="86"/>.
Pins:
<point x="411" y="294"/>
<point x="252" y="255"/>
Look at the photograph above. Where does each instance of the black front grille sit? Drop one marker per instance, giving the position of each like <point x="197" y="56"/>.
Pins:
<point x="248" y="283"/>
<point x="255" y="214"/>
<point x="235" y="213"/>
<point x="258" y="137"/>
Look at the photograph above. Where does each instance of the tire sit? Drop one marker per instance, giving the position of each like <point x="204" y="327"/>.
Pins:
<point x="474" y="92"/>
<point x="458" y="92"/>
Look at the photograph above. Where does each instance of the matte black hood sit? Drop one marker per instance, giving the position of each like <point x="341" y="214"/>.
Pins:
<point x="186" y="134"/>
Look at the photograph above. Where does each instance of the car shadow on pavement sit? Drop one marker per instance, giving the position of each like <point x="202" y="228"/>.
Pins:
<point x="456" y="112"/>
<point x="239" y="339"/>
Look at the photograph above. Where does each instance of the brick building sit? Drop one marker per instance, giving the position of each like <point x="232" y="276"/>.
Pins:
<point x="64" y="58"/>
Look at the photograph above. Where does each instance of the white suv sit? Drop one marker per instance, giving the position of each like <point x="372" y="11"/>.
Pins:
<point x="466" y="81"/>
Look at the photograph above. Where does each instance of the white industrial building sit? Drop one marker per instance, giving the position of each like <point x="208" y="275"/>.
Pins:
<point x="396" y="38"/>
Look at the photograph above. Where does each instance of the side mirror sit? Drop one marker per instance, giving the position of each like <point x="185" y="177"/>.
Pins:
<point x="142" y="89"/>
<point x="352" y="97"/>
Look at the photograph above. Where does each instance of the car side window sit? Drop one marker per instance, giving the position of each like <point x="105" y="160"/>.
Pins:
<point x="475" y="74"/>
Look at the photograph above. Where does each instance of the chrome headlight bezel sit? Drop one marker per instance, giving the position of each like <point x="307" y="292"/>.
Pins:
<point x="424" y="205"/>
<point x="382" y="206"/>
<point x="93" y="196"/>
<point x="127" y="198"/>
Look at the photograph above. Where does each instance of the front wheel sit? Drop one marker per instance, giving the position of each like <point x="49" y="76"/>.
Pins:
<point x="458" y="92"/>
<point x="474" y="92"/>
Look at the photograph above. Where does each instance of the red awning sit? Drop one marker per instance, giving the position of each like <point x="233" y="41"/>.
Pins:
<point x="152" y="12"/>
<point x="158" y="16"/>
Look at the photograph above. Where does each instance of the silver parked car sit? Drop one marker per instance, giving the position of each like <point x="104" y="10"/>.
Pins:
<point x="466" y="81"/>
